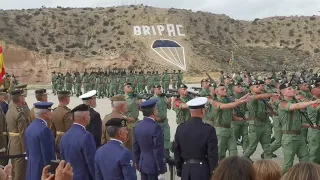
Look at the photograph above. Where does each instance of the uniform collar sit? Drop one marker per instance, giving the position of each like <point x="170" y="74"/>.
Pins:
<point x="112" y="139"/>
<point x="151" y="118"/>
<point x="79" y="125"/>
<point x="43" y="121"/>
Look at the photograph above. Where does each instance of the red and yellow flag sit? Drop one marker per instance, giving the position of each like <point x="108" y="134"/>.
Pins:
<point x="2" y="70"/>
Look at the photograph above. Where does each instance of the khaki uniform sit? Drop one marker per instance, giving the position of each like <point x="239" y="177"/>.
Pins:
<point x="105" y="137"/>
<point x="3" y="135"/>
<point x="17" y="122"/>
<point x="62" y="121"/>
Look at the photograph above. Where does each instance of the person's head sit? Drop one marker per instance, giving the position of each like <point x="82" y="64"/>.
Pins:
<point x="41" y="95"/>
<point x="118" y="103"/>
<point x="227" y="80"/>
<point x="183" y="90"/>
<point x="221" y="90"/>
<point x="64" y="97"/>
<point x="117" y="129"/>
<point x="315" y="89"/>
<point x="237" y="88"/>
<point x="234" y="167"/>
<point x="267" y="80"/>
<point x="81" y="114"/>
<point x="157" y="89"/>
<point x="127" y="88"/>
<point x="305" y="171"/>
<point x="43" y="110"/>
<point x="149" y="108"/>
<point x="89" y="98"/>
<point x="261" y="85"/>
<point x="205" y="83"/>
<point x="303" y="86"/>
<point x="267" y="170"/>
<point x="287" y="90"/>
<point x="17" y="97"/>
<point x="197" y="107"/>
<point x="254" y="87"/>
<point x="212" y="90"/>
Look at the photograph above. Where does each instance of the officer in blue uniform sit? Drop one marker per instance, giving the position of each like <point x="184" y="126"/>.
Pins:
<point x="4" y="104"/>
<point x="77" y="145"/>
<point x="196" y="145"/>
<point x="113" y="160"/>
<point x="148" y="144"/>
<point x="94" y="127"/>
<point x="40" y="146"/>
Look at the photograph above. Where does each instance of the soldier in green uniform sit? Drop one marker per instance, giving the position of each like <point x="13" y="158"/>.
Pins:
<point x="259" y="124"/>
<point x="54" y="83"/>
<point x="314" y="114"/>
<point x="122" y="80"/>
<point x="133" y="103"/>
<point x="157" y="79"/>
<point x="60" y="82"/>
<point x="268" y="88"/>
<point x="293" y="142"/>
<point x="77" y="85"/>
<point x="163" y="105"/>
<point x="304" y="95"/>
<point x="180" y="105"/>
<point x="221" y="77"/>
<point x="100" y="83"/>
<point x="180" y="78"/>
<point x="174" y="78"/>
<point x="68" y="82"/>
<point x="85" y="82"/>
<point x="240" y="128"/>
<point x="6" y="82"/>
<point x="150" y="79"/>
<point x="228" y="82"/>
<point x="205" y="84"/>
<point x="113" y="86"/>
<point x="209" y="116"/>
<point x="237" y="77"/>
<point x="166" y="81"/>
<point x="140" y="82"/>
<point x="223" y="113"/>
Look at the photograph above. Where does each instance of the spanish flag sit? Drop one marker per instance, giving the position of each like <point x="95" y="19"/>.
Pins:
<point x="2" y="70"/>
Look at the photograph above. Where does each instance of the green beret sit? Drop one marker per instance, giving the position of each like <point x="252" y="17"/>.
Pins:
<point x="118" y="122"/>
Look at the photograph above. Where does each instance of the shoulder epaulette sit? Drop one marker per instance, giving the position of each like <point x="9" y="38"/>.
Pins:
<point x="19" y="109"/>
<point x="67" y="108"/>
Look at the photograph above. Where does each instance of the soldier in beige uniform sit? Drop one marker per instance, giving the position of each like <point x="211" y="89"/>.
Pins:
<point x="24" y="90"/>
<point x="17" y="122"/>
<point x="41" y="96"/>
<point x="3" y="131"/>
<point x="119" y="107"/>
<point x="61" y="118"/>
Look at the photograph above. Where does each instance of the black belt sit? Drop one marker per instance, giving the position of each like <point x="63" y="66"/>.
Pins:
<point x="193" y="161"/>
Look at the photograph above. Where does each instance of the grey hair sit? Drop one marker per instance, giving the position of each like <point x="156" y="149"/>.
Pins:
<point x="80" y="113"/>
<point x="39" y="112"/>
<point x="116" y="104"/>
<point x="112" y="131"/>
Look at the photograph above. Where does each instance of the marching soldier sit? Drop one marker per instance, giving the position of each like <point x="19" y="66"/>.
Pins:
<point x="205" y="84"/>
<point x="228" y="82"/>
<point x="180" y="78"/>
<point x="77" y="85"/>
<point x="196" y="153"/>
<point x="53" y="82"/>
<point x="150" y="79"/>
<point x="180" y="106"/>
<point x="163" y="105"/>
<point x="119" y="108"/>
<point x="293" y="142"/>
<point x="41" y="96"/>
<point x="166" y="81"/>
<point x="61" y="118"/>
<point x="94" y="126"/>
<point x="17" y="122"/>
<point x="174" y="79"/>
<point x="141" y="82"/>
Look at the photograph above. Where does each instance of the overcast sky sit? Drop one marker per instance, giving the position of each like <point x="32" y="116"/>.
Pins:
<point x="238" y="9"/>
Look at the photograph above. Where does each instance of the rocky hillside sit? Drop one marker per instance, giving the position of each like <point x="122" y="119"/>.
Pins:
<point x="38" y="41"/>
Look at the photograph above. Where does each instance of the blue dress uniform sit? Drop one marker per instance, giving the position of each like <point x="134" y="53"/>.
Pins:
<point x="113" y="160"/>
<point x="94" y="127"/>
<point x="149" y="146"/>
<point x="78" y="148"/>
<point x="5" y="106"/>
<point x="196" y="146"/>
<point x="40" y="146"/>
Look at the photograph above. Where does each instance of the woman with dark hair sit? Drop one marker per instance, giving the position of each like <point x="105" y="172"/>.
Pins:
<point x="234" y="167"/>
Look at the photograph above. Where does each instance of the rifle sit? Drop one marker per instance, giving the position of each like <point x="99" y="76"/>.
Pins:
<point x="303" y="113"/>
<point x="211" y="79"/>
<point x="191" y="95"/>
<point x="196" y="88"/>
<point x="237" y="108"/>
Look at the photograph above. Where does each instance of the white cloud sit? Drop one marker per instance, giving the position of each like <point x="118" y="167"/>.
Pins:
<point x="238" y="9"/>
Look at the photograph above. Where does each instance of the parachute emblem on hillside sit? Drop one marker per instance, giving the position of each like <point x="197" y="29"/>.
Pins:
<point x="171" y="51"/>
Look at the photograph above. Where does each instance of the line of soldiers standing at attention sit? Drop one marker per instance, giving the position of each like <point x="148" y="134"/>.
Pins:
<point x="110" y="83"/>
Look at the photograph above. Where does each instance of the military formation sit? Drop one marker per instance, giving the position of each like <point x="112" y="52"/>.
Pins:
<point x="242" y="109"/>
<point x="110" y="82"/>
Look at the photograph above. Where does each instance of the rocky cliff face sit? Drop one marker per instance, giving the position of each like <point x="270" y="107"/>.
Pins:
<point x="38" y="41"/>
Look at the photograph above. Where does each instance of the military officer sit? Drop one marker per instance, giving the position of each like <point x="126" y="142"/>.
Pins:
<point x="40" y="146"/>
<point x="196" y="153"/>
<point x="94" y="126"/>
<point x="3" y="132"/>
<point x="267" y="85"/>
<point x="259" y="124"/>
<point x="119" y="108"/>
<point x="314" y="114"/>
<point x="24" y="90"/>
<point x="205" y="84"/>
<point x="77" y="145"/>
<point x="61" y="118"/>
<point x="5" y="96"/>
<point x="179" y="105"/>
<point x="148" y="144"/>
<point x="223" y="110"/>
<point x="41" y="96"/>
<point x="163" y="105"/>
<point x="17" y="122"/>
<point x="113" y="160"/>
<point x="133" y="102"/>
<point x="293" y="142"/>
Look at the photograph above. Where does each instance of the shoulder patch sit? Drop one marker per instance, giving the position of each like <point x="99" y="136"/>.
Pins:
<point x="19" y="109"/>
<point x="284" y="105"/>
<point x="315" y="105"/>
<point x="216" y="103"/>
<point x="67" y="108"/>
<point x="177" y="102"/>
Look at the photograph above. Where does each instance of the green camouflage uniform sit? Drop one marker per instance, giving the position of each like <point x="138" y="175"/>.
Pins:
<point x="182" y="115"/>
<point x="150" y="80"/>
<point x="68" y="81"/>
<point x="113" y="86"/>
<point x="86" y="83"/>
<point x="100" y="85"/>
<point x="166" y="82"/>
<point x="174" y="81"/>
<point x="157" y="79"/>
<point x="140" y="83"/>
<point x="304" y="96"/>
<point x="180" y="79"/>
<point x="122" y="80"/>
<point x="54" y="83"/>
<point x="314" y="134"/>
<point x="276" y="144"/>
<point x="209" y="116"/>
<point x="78" y="85"/>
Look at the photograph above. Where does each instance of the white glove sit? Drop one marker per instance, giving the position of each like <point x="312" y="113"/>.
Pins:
<point x="162" y="177"/>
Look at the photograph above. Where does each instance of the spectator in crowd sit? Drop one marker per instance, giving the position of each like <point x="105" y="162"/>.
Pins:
<point x="267" y="170"/>
<point x="78" y="146"/>
<point x="234" y="168"/>
<point x="303" y="171"/>
<point x="113" y="160"/>
<point x="63" y="172"/>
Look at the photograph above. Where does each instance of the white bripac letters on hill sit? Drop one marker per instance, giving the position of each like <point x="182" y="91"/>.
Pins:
<point x="159" y="30"/>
